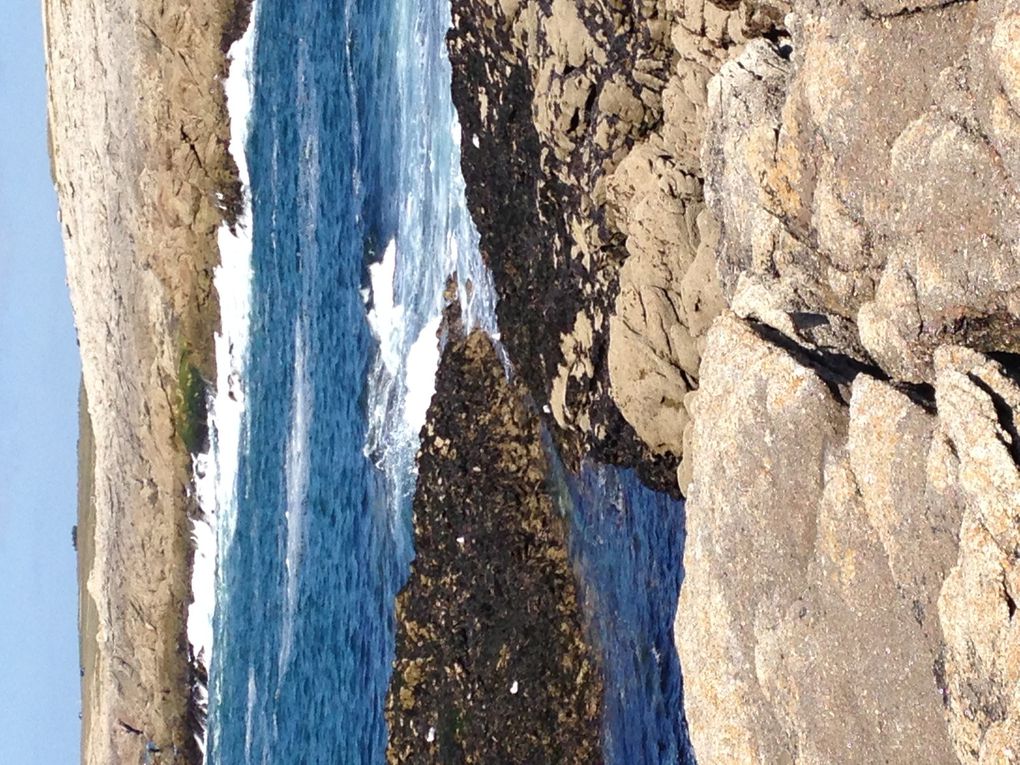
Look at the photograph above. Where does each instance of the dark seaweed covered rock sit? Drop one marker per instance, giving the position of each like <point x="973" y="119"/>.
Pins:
<point x="583" y="124"/>
<point x="491" y="665"/>
<point x="528" y="84"/>
<point x="779" y="241"/>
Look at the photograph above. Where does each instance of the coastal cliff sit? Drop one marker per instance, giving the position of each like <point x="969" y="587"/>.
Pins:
<point x="138" y="132"/>
<point x="775" y="245"/>
<point x="855" y="494"/>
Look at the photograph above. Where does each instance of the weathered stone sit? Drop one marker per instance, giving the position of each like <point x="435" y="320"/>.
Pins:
<point x="138" y="132"/>
<point x="977" y="407"/>
<point x="866" y="193"/>
<point x="599" y="108"/>
<point x="873" y="173"/>
<point x="807" y="622"/>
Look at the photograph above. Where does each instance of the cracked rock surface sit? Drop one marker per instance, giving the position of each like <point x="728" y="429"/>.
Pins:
<point x="872" y="175"/>
<point x="583" y="128"/>
<point x="851" y="565"/>
<point x="851" y="568"/>
<point x="817" y="547"/>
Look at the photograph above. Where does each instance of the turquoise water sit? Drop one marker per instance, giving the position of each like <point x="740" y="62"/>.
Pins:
<point x="358" y="217"/>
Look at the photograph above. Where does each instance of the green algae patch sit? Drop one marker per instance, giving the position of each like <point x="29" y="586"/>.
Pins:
<point x="191" y="409"/>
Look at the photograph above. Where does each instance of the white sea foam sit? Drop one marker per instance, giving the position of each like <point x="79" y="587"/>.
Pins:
<point x="249" y="714"/>
<point x="386" y="318"/>
<point x="407" y="298"/>
<point x="420" y="378"/>
<point x="297" y="471"/>
<point x="216" y="471"/>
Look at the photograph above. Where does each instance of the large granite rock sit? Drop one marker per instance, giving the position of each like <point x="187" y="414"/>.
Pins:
<point x="138" y="135"/>
<point x="834" y="608"/>
<point x="852" y="561"/>
<point x="838" y="181"/>
<point x="492" y="664"/>
<point x="807" y="624"/>
<point x="872" y="175"/>
<point x="978" y="405"/>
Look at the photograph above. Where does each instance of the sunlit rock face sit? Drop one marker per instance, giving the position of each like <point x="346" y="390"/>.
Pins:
<point x="870" y="176"/>
<point x="851" y="571"/>
<point x="851" y="567"/>
<point x="138" y="136"/>
<point x="583" y="129"/>
<point x="817" y="548"/>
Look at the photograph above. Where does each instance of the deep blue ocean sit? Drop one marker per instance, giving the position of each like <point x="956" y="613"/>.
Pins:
<point x="353" y="156"/>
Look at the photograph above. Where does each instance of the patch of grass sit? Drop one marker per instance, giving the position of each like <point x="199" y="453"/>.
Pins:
<point x="192" y="410"/>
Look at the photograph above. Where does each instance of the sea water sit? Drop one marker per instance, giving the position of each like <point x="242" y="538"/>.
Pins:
<point x="627" y="543"/>
<point x="331" y="290"/>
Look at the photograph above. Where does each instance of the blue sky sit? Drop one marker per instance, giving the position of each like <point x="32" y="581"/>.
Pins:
<point x="39" y="692"/>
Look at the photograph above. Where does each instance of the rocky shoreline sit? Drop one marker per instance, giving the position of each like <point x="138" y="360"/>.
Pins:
<point x="767" y="253"/>
<point x="492" y="663"/>
<point x="554" y="258"/>
<point x="138" y="132"/>
<point x="776" y="244"/>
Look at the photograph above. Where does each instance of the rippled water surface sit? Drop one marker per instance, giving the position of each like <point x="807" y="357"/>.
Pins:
<point x="357" y="217"/>
<point x="353" y="159"/>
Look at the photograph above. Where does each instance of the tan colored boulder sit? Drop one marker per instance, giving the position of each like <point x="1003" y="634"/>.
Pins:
<point x="978" y="406"/>
<point x="873" y="171"/>
<point x="817" y="546"/>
